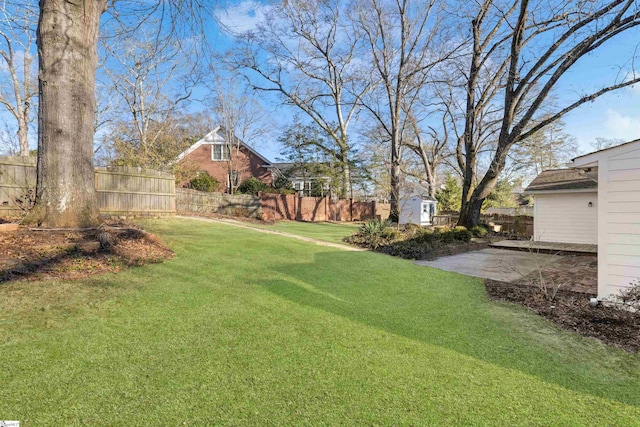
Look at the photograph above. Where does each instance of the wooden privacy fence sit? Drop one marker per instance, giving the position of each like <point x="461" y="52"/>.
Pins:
<point x="124" y="191"/>
<point x="317" y="209"/>
<point x="188" y="200"/>
<point x="135" y="191"/>
<point x="130" y="191"/>
<point x="17" y="184"/>
<point x="518" y="224"/>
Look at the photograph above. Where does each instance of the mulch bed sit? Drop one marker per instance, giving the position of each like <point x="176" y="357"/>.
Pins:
<point x="571" y="311"/>
<point x="33" y="254"/>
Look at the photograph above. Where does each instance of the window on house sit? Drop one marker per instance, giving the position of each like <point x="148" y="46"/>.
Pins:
<point x="219" y="152"/>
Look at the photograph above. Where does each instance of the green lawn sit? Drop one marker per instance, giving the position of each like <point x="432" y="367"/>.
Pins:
<point x="327" y="231"/>
<point x="246" y="328"/>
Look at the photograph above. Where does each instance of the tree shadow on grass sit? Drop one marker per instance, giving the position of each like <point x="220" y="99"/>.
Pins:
<point x="451" y="311"/>
<point x="37" y="266"/>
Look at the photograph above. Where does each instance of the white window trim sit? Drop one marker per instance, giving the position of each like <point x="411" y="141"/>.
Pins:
<point x="222" y="152"/>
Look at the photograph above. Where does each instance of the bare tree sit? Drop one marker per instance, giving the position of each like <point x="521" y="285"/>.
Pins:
<point x="152" y="79"/>
<point x="242" y="120"/>
<point x="171" y="137"/>
<point x="548" y="148"/>
<point x="529" y="47"/>
<point x="431" y="146"/>
<point x="18" y="90"/>
<point x="405" y="44"/>
<point x="312" y="63"/>
<point x="67" y="39"/>
<point x="602" y="143"/>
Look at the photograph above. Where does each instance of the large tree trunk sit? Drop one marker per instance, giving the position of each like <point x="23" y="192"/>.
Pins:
<point x="470" y="213"/>
<point x="472" y="205"/>
<point x="67" y="47"/>
<point x="395" y="181"/>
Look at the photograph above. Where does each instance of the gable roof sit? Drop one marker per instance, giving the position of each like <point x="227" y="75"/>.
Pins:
<point x="283" y="167"/>
<point x="591" y="159"/>
<point x="562" y="180"/>
<point x="216" y="136"/>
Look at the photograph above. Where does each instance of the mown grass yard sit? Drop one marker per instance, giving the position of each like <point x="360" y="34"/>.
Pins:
<point x="247" y="328"/>
<point x="326" y="231"/>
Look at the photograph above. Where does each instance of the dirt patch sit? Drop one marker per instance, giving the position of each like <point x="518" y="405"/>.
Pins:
<point x="577" y="273"/>
<point x="571" y="310"/>
<point x="29" y="254"/>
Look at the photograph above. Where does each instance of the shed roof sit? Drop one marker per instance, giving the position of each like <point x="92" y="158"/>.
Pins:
<point x="562" y="180"/>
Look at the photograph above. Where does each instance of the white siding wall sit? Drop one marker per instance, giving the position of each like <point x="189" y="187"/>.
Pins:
<point x="619" y="190"/>
<point x="410" y="210"/>
<point x="566" y="218"/>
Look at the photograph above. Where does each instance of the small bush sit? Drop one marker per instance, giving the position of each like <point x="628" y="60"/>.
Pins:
<point x="461" y="234"/>
<point x="283" y="183"/>
<point x="374" y="226"/>
<point x="374" y="233"/>
<point x="412" y="242"/>
<point x="479" y="231"/>
<point x="204" y="182"/>
<point x="408" y="249"/>
<point x="252" y="186"/>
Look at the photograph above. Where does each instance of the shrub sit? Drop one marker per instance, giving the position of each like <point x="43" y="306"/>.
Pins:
<point x="373" y="234"/>
<point x="204" y="182"/>
<point x="413" y="242"/>
<point x="479" y="231"/>
<point x="374" y="226"/>
<point x="461" y="234"/>
<point x="252" y="186"/>
<point x="408" y="249"/>
<point x="425" y="236"/>
<point x="283" y="183"/>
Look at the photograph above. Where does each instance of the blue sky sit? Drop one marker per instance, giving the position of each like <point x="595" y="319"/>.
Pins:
<point x="615" y="115"/>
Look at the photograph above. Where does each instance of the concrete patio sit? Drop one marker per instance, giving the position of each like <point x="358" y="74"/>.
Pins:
<point x="546" y="247"/>
<point x="497" y="264"/>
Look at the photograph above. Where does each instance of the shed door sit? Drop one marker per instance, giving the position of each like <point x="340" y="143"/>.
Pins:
<point x="425" y="215"/>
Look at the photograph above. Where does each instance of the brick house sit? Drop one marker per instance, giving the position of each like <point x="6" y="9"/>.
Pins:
<point x="213" y="154"/>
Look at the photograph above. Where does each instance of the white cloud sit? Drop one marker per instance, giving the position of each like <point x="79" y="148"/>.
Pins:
<point x="242" y="17"/>
<point x="620" y="126"/>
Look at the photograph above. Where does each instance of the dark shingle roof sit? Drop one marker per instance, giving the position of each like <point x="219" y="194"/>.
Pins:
<point x="283" y="167"/>
<point x="562" y="179"/>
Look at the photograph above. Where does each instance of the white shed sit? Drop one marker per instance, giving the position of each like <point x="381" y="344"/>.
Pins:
<point x="417" y="210"/>
<point x="565" y="206"/>
<point x="618" y="206"/>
